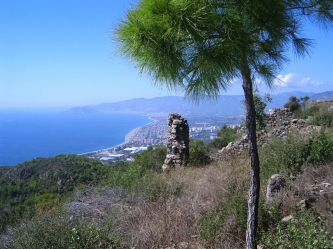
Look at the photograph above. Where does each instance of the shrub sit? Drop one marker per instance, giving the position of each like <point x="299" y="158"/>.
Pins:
<point x="151" y="159"/>
<point x="305" y="230"/>
<point x="225" y="136"/>
<point x="260" y="104"/>
<point x="320" y="113"/>
<point x="55" y="230"/>
<point x="283" y="156"/>
<point x="198" y="153"/>
<point x="293" y="104"/>
<point x="321" y="148"/>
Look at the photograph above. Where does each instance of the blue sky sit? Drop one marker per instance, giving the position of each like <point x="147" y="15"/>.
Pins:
<point x="60" y="53"/>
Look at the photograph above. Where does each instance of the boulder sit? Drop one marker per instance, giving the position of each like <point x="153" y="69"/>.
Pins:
<point x="275" y="184"/>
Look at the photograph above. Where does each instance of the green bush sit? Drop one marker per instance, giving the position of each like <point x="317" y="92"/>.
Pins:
<point x="43" y="183"/>
<point x="321" y="148"/>
<point x="289" y="156"/>
<point x="225" y="136"/>
<point x="293" y="104"/>
<point x="55" y="230"/>
<point x="151" y="159"/>
<point x="320" y="115"/>
<point x="198" y="153"/>
<point x="260" y="104"/>
<point x="305" y="230"/>
<point x="285" y="156"/>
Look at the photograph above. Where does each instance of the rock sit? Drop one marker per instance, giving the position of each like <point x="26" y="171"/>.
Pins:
<point x="325" y="184"/>
<point x="303" y="204"/>
<point x="275" y="184"/>
<point x="287" y="218"/>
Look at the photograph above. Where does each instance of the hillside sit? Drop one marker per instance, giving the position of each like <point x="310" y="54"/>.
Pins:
<point x="203" y="205"/>
<point x="40" y="184"/>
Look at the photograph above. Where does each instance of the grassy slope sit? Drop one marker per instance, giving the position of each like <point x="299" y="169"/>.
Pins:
<point x="203" y="205"/>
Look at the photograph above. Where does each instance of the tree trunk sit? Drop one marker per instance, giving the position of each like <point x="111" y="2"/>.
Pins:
<point x="253" y="201"/>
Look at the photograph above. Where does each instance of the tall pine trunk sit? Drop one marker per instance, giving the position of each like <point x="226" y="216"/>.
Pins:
<point x="253" y="201"/>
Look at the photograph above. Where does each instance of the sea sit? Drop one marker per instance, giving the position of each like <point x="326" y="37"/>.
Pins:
<point x="27" y="134"/>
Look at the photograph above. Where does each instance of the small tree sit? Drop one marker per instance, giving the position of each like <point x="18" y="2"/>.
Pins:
<point x="198" y="153"/>
<point x="304" y="102"/>
<point x="201" y="46"/>
<point x="260" y="104"/>
<point x="293" y="104"/>
<point x="225" y="135"/>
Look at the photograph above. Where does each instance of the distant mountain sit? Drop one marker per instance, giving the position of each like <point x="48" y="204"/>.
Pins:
<point x="226" y="105"/>
<point x="322" y="96"/>
<point x="229" y="105"/>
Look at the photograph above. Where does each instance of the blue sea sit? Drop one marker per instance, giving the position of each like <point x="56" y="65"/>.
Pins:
<point x="25" y="135"/>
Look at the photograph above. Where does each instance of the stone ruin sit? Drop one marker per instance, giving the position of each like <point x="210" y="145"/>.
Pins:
<point x="278" y="116"/>
<point x="279" y="121"/>
<point x="178" y="142"/>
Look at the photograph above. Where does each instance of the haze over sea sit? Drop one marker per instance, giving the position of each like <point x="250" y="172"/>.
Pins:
<point x="25" y="135"/>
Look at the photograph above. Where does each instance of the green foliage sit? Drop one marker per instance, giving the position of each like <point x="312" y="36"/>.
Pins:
<point x="285" y="156"/>
<point x="321" y="148"/>
<point x="289" y="156"/>
<point x="199" y="45"/>
<point x="321" y="114"/>
<point x="312" y="111"/>
<point x="260" y="103"/>
<point x="41" y="184"/>
<point x="160" y="188"/>
<point x="142" y="175"/>
<point x="225" y="220"/>
<point x="55" y="230"/>
<point x="305" y="230"/>
<point x="225" y="136"/>
<point x="151" y="159"/>
<point x="293" y="104"/>
<point x="198" y="153"/>
<point x="304" y="102"/>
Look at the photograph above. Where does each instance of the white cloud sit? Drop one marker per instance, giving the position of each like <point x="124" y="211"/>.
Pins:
<point x="285" y="80"/>
<point x="293" y="80"/>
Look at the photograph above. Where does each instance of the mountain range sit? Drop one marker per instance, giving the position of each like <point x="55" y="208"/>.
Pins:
<point x="229" y="105"/>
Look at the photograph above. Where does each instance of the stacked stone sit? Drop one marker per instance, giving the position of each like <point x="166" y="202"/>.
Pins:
<point x="178" y="142"/>
<point x="277" y="116"/>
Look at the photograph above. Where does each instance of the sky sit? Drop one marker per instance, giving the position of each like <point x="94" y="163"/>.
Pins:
<point x="60" y="53"/>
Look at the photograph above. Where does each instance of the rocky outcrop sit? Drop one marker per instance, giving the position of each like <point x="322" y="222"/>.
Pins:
<point x="178" y="142"/>
<point x="279" y="123"/>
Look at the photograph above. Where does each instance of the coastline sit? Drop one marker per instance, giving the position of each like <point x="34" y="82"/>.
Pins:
<point x="128" y="138"/>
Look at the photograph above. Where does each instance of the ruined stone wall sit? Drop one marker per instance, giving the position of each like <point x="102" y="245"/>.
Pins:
<point x="279" y="123"/>
<point x="277" y="116"/>
<point x="178" y="142"/>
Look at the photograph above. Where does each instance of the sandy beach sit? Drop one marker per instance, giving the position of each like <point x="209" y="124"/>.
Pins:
<point x="128" y="139"/>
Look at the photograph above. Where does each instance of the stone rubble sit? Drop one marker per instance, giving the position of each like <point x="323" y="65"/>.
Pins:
<point x="279" y="122"/>
<point x="178" y="142"/>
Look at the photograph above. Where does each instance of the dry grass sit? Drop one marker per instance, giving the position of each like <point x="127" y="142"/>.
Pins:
<point x="174" y="220"/>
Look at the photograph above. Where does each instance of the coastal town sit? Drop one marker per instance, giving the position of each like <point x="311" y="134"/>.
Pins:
<point x="155" y="134"/>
